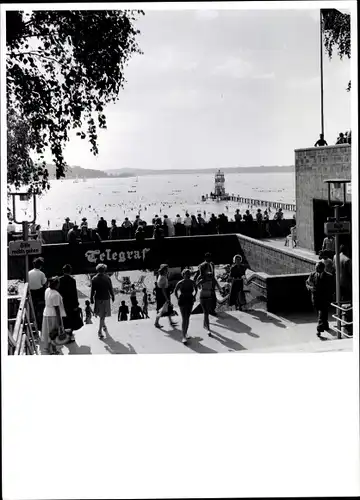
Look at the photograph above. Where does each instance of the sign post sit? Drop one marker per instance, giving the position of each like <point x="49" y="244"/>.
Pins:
<point x="336" y="228"/>
<point x="25" y="226"/>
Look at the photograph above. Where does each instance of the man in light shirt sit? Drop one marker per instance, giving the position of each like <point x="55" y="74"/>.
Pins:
<point x="187" y="224"/>
<point x="37" y="282"/>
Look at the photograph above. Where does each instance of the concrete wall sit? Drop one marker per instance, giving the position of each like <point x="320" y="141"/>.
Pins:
<point x="312" y="167"/>
<point x="263" y="257"/>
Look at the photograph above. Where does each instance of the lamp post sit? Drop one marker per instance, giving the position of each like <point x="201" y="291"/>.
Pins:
<point x="25" y="224"/>
<point x="336" y="227"/>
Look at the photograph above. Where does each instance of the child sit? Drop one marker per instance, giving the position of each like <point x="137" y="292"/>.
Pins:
<point x="123" y="312"/>
<point x="145" y="303"/>
<point x="88" y="313"/>
<point x="136" y="312"/>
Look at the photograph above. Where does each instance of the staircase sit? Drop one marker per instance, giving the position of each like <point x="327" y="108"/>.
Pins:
<point x="23" y="336"/>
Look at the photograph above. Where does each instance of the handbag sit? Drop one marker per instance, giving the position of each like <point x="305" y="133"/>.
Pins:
<point x="164" y="311"/>
<point x="76" y="319"/>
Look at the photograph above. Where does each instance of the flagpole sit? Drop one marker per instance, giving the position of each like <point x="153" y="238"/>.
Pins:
<point x="321" y="76"/>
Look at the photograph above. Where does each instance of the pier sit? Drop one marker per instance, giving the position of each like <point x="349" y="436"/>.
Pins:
<point x="290" y="207"/>
<point x="220" y="194"/>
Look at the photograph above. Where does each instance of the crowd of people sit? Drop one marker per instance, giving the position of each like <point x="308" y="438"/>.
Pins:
<point x="321" y="282"/>
<point x="58" y="313"/>
<point x="163" y="227"/>
<point x="342" y="139"/>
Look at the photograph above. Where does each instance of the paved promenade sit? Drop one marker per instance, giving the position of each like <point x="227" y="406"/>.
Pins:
<point x="255" y="331"/>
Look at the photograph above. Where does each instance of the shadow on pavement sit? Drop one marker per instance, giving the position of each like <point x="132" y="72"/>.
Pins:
<point x="234" y="325"/>
<point x="264" y="317"/>
<point x="228" y="343"/>
<point x="194" y="343"/>
<point x="115" y="347"/>
<point x="74" y="348"/>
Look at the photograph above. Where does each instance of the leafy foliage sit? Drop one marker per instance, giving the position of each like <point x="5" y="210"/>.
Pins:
<point x="63" y="68"/>
<point x="337" y="34"/>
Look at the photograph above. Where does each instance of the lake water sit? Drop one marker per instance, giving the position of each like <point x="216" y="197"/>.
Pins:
<point x="150" y="195"/>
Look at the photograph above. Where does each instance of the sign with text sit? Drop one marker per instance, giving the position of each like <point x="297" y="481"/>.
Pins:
<point x="333" y="228"/>
<point x="126" y="255"/>
<point x="21" y="248"/>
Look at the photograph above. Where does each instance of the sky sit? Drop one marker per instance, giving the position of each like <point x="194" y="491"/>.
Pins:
<point x="221" y="89"/>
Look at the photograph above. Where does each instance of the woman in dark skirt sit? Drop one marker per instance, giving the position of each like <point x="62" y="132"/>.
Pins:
<point x="237" y="274"/>
<point x="159" y="297"/>
<point x="69" y="293"/>
<point x="187" y="289"/>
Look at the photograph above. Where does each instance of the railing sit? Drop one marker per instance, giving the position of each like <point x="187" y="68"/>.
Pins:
<point x="345" y="326"/>
<point x="21" y="339"/>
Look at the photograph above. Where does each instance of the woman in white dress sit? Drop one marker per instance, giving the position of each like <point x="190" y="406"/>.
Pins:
<point x="53" y="314"/>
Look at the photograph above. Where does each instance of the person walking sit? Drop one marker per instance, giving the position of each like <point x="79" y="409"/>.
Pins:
<point x="187" y="289"/>
<point x="237" y="275"/>
<point x="163" y="286"/>
<point x="320" y="284"/>
<point x="329" y="245"/>
<point x="132" y="295"/>
<point x="37" y="282"/>
<point x="208" y="267"/>
<point x="329" y="265"/>
<point x="69" y="294"/>
<point x="54" y="312"/>
<point x="101" y="292"/>
<point x="207" y="283"/>
<point x="88" y="313"/>
<point x="145" y="303"/>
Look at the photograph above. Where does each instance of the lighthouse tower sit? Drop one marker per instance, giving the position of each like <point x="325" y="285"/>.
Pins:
<point x="220" y="184"/>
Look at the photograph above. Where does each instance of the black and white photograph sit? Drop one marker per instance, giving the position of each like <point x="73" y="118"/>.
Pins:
<point x="179" y="179"/>
<point x="192" y="197"/>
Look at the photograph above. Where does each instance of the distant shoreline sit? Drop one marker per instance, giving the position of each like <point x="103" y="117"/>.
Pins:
<point x="84" y="173"/>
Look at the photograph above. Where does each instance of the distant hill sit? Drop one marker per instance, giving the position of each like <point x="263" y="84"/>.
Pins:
<point x="133" y="172"/>
<point x="75" y="171"/>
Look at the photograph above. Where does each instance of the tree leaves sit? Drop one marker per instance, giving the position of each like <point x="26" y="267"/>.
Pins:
<point x="63" y="67"/>
<point x="337" y="34"/>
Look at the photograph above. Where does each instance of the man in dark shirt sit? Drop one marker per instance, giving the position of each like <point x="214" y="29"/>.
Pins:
<point x="69" y="293"/>
<point x="248" y="217"/>
<point x="320" y="284"/>
<point x="321" y="141"/>
<point x="73" y="235"/>
<point x="114" y="230"/>
<point x="103" y="228"/>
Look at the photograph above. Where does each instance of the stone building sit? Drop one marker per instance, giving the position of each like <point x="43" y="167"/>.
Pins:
<point x="312" y="167"/>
